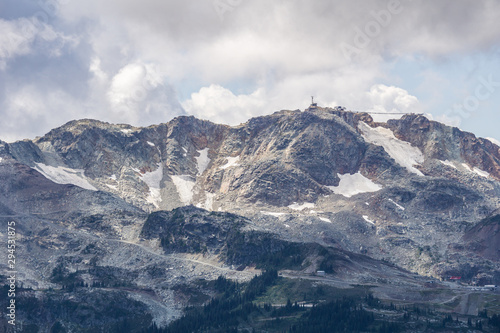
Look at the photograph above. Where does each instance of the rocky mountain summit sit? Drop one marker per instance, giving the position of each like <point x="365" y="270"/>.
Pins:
<point x="167" y="204"/>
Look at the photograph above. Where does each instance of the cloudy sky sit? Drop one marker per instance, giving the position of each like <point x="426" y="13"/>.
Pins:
<point x="145" y="62"/>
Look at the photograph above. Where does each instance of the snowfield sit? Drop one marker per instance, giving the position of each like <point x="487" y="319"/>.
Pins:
<point x="153" y="180"/>
<point x="476" y="170"/>
<point x="401" y="151"/>
<point x="184" y="185"/>
<point x="481" y="172"/>
<point x="354" y="184"/>
<point x="203" y="161"/>
<point x="63" y="175"/>
<point x="305" y="205"/>
<point x="231" y="162"/>
<point x="272" y="214"/>
<point x="448" y="163"/>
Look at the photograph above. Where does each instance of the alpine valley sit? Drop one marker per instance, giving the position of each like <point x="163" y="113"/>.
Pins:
<point x="128" y="229"/>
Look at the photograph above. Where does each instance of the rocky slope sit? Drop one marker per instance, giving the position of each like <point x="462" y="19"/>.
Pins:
<point x="93" y="200"/>
<point x="418" y="183"/>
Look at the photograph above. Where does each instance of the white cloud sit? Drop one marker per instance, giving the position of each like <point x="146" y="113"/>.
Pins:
<point x="390" y="99"/>
<point x="138" y="95"/>
<point x="220" y="105"/>
<point x="96" y="70"/>
<point x="131" y="85"/>
<point x="136" y="54"/>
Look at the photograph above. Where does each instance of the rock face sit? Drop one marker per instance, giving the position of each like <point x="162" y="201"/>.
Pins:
<point x="413" y="192"/>
<point x="419" y="173"/>
<point x="442" y="142"/>
<point x="484" y="237"/>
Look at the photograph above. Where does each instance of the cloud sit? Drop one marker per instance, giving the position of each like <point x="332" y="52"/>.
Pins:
<point x="28" y="110"/>
<point x="19" y="37"/>
<point x="220" y="105"/>
<point x="129" y="61"/>
<point x="390" y="99"/>
<point x="342" y="87"/>
<point x="15" y="40"/>
<point x="137" y="95"/>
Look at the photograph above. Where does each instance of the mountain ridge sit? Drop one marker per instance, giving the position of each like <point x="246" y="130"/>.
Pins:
<point x="410" y="192"/>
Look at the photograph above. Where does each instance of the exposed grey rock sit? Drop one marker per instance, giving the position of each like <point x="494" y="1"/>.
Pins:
<point x="93" y="200"/>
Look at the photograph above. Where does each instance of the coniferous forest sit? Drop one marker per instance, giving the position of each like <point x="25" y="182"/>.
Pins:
<point x="237" y="308"/>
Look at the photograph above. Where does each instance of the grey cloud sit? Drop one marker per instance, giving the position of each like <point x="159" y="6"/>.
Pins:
<point x="265" y="44"/>
<point x="13" y="9"/>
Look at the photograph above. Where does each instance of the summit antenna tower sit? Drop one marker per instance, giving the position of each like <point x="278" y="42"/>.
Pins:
<point x="313" y="105"/>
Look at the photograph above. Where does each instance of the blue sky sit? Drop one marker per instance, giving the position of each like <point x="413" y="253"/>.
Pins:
<point x="143" y="63"/>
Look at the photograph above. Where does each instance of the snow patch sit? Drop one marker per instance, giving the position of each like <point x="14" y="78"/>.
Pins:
<point x="1" y="159"/>
<point x="112" y="187"/>
<point x="126" y="131"/>
<point x="151" y="144"/>
<point x="184" y="185"/>
<point x="113" y="177"/>
<point x="401" y="151"/>
<point x="63" y="175"/>
<point x="286" y="225"/>
<point x="231" y="162"/>
<point x="350" y="185"/>
<point x="397" y="205"/>
<point x="272" y="214"/>
<point x="203" y="161"/>
<point x="305" y="205"/>
<point x="448" y="163"/>
<point x="495" y="141"/>
<point x="324" y="219"/>
<point x="481" y="172"/>
<point x="476" y="170"/>
<point x="368" y="220"/>
<point x="153" y="180"/>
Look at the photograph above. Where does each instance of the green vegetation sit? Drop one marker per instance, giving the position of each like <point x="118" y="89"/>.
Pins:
<point x="300" y="290"/>
<point x="240" y="306"/>
<point x="270" y="303"/>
